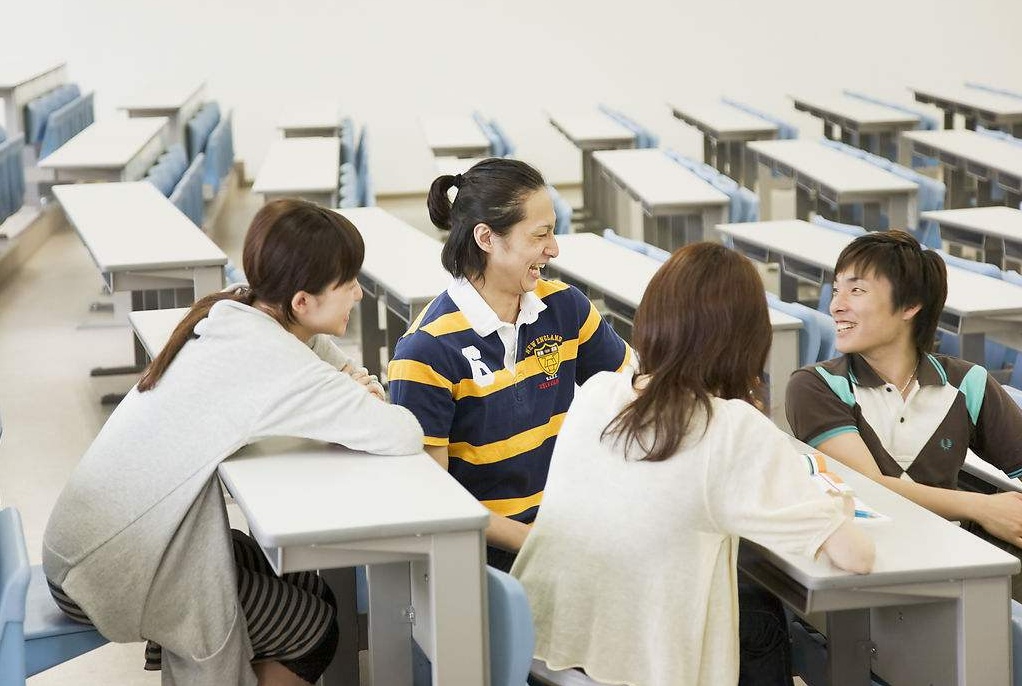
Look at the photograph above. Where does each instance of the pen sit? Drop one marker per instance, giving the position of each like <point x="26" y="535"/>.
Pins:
<point x="865" y="514"/>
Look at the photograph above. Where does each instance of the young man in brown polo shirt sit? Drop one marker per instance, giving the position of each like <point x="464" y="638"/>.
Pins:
<point x="893" y="411"/>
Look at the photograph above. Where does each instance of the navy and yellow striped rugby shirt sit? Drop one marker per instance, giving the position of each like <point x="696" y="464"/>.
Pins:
<point x="499" y="426"/>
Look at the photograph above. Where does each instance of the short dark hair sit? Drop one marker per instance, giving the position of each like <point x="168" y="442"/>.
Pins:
<point x="702" y="330"/>
<point x="917" y="276"/>
<point x="491" y="193"/>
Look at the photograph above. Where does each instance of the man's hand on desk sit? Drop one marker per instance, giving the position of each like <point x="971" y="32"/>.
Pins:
<point x="1001" y="515"/>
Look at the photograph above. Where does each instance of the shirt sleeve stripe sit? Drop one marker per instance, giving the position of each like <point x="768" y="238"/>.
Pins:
<point x="628" y="359"/>
<point x="509" y="447"/>
<point x="436" y="441"/>
<point x="512" y="506"/>
<point x="592" y="323"/>
<point x="412" y="370"/>
<point x="827" y="435"/>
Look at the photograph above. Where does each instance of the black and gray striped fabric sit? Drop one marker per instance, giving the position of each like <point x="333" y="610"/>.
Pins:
<point x="291" y="619"/>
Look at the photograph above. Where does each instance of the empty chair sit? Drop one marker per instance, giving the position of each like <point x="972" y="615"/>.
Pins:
<point x="3" y="134"/>
<point x="562" y="212"/>
<point x="187" y="194"/>
<point x="785" y="131"/>
<point x="12" y="176"/>
<point x="219" y="154"/>
<point x="162" y="176"/>
<point x="347" y="141"/>
<point x="996" y="356"/>
<point x="644" y="137"/>
<point x="508" y="146"/>
<point x="640" y="247"/>
<point x="66" y="122"/>
<point x="850" y="229"/>
<point x="926" y="123"/>
<point x="366" y="197"/>
<point x="34" y="634"/>
<point x="38" y="110"/>
<point x="200" y="127"/>
<point x="810" y="337"/>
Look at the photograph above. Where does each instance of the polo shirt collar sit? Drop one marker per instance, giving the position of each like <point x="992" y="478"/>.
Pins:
<point x="928" y="372"/>
<point x="481" y="316"/>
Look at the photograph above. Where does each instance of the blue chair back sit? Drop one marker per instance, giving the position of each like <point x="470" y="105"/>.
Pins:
<point x="562" y="212"/>
<point x="996" y="356"/>
<point x="366" y="196"/>
<point x="66" y="122"/>
<point x="849" y="229"/>
<point x="506" y="144"/>
<point x="187" y="194"/>
<point x="38" y="111"/>
<point x="200" y="127"/>
<point x="176" y="158"/>
<point x="162" y="176"/>
<point x="347" y="141"/>
<point x="785" y="131"/>
<point x="810" y="338"/>
<point x="512" y="637"/>
<point x="3" y="134"/>
<point x="12" y="176"/>
<point x="219" y="153"/>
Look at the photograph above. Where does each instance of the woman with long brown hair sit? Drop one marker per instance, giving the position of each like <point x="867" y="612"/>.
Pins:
<point x="631" y="564"/>
<point x="138" y="543"/>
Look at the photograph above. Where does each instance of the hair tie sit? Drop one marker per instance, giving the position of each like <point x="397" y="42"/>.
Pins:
<point x="458" y="180"/>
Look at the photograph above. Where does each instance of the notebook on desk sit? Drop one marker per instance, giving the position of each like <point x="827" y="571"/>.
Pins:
<point x="829" y="482"/>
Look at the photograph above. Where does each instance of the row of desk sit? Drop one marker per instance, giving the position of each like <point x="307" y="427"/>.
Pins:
<point x="301" y="167"/>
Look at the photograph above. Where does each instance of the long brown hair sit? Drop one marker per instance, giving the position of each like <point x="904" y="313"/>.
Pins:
<point x="701" y="330"/>
<point x="291" y="246"/>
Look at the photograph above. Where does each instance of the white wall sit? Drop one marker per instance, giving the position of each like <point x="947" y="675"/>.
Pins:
<point x="387" y="62"/>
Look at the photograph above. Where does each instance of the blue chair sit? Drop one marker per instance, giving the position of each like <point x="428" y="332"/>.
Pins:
<point x="1012" y="276"/>
<point x="219" y="154"/>
<point x="644" y="137"/>
<point x="234" y="274"/>
<point x="996" y="355"/>
<point x="36" y="635"/>
<point x="850" y="229"/>
<point x="640" y="247"/>
<point x="12" y="176"/>
<point x="162" y="176"/>
<point x="496" y="144"/>
<point x="66" y="122"/>
<point x="347" y="141"/>
<point x="508" y="146"/>
<point x="810" y="338"/>
<point x="187" y="194"/>
<point x="926" y="123"/>
<point x="562" y="212"/>
<point x="3" y="134"/>
<point x="200" y="127"/>
<point x="365" y="197"/>
<point x="785" y="131"/>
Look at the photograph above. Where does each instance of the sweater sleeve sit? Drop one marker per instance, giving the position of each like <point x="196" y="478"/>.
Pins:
<point x="758" y="488"/>
<point x="319" y="402"/>
<point x="328" y="351"/>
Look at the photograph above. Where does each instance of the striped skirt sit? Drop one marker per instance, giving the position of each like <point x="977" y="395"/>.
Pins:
<point x="291" y="619"/>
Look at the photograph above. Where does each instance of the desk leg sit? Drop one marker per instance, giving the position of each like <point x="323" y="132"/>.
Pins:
<point x="781" y="364"/>
<point x="828" y="130"/>
<point x="984" y="632"/>
<point x="390" y="629"/>
<point x="396" y="328"/>
<point x="803" y="203"/>
<point x="736" y="160"/>
<point x="949" y="119"/>
<point x="954" y="181"/>
<point x="141" y="359"/>
<point x="765" y="190"/>
<point x="849" y="650"/>
<point x="372" y="335"/>
<point x="903" y="211"/>
<point x="722" y="158"/>
<point x="461" y="638"/>
<point x="588" y="179"/>
<point x="708" y="149"/>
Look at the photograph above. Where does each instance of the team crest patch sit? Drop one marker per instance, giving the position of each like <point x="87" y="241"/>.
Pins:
<point x="547" y="350"/>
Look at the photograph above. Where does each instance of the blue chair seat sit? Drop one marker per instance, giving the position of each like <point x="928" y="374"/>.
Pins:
<point x="51" y="637"/>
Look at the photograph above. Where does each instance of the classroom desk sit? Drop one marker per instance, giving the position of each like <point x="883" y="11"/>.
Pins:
<point x="970" y="154"/>
<point x="590" y="132"/>
<point x="455" y="165"/>
<point x="21" y="84"/>
<point x="141" y="244"/>
<point x="619" y="276"/>
<point x="402" y="269"/>
<point x="995" y="231"/>
<point x="857" y="118"/>
<point x="153" y="327"/>
<point x="726" y="130"/>
<point x="306" y="168"/>
<point x="840" y="180"/>
<point x="312" y="506"/>
<point x="976" y="306"/>
<point x="177" y="102"/>
<point x="977" y="106"/>
<point x="677" y="207"/>
<point x="318" y="120"/>
<point x="455" y="136"/>
<point x="935" y="609"/>
<point x="109" y="150"/>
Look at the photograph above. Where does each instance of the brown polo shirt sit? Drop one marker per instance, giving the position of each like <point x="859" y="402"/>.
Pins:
<point x="952" y="406"/>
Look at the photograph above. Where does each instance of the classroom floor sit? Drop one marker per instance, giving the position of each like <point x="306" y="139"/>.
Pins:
<point x="50" y="405"/>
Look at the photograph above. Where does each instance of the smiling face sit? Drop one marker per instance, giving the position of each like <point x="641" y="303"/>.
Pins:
<point x="867" y="321"/>
<point x="329" y="310"/>
<point x="516" y="259"/>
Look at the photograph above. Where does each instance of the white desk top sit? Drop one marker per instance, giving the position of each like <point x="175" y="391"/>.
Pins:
<point x="590" y="128"/>
<point x="299" y="492"/>
<point x="723" y="119"/>
<point x="453" y="132"/>
<point x="622" y="273"/>
<point x="974" y="98"/>
<point x="1004" y="222"/>
<point x="861" y="112"/>
<point x="153" y="327"/>
<point x="659" y="182"/>
<point x="398" y="256"/>
<point x="107" y="144"/>
<point x="294" y="165"/>
<point x="128" y="226"/>
<point x="968" y="293"/>
<point x="972" y="146"/>
<point x="14" y="75"/>
<point x="916" y="546"/>
<point x="163" y="97"/>
<point x="836" y="170"/>
<point x="455" y="165"/>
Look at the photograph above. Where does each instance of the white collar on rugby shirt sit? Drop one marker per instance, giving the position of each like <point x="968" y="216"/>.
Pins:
<point x="481" y="316"/>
